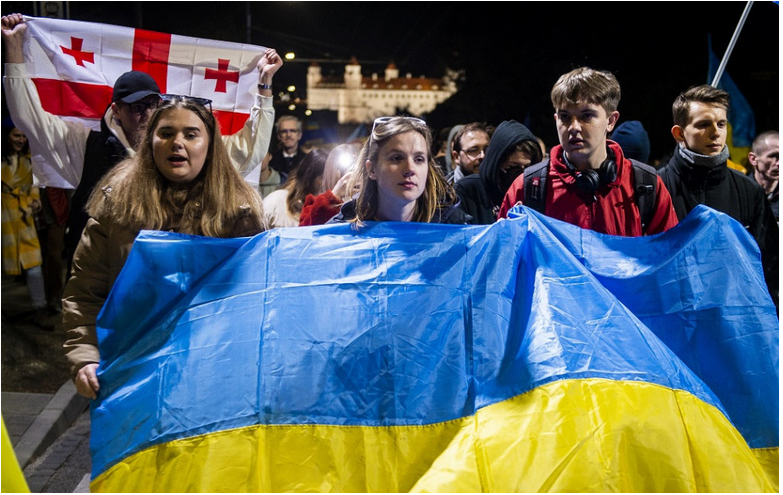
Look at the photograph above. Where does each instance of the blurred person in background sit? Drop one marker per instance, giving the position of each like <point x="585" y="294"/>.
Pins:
<point x="284" y="206"/>
<point x="337" y="187"/>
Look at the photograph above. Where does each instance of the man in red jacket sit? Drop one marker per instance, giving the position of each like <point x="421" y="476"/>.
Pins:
<point x="588" y="182"/>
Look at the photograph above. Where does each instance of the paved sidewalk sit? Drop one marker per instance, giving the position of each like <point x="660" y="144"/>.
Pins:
<point x="35" y="421"/>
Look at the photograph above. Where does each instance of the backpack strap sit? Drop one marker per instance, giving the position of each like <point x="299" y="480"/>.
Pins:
<point x="645" y="187"/>
<point x="645" y="184"/>
<point x="535" y="186"/>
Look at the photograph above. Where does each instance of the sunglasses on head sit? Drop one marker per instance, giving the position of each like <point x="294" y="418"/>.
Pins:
<point x="386" y="120"/>
<point x="204" y="102"/>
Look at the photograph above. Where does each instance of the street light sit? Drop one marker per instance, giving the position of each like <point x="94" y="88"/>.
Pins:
<point x="290" y="56"/>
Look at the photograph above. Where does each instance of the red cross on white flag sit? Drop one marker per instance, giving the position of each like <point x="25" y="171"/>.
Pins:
<point x="74" y="65"/>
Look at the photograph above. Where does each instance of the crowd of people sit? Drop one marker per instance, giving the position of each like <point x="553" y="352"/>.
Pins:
<point x="160" y="162"/>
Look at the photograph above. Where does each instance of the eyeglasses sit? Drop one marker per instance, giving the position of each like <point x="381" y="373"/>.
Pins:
<point x="204" y="102"/>
<point x="475" y="151"/>
<point x="141" y="107"/>
<point x="288" y="131"/>
<point x="386" y="120"/>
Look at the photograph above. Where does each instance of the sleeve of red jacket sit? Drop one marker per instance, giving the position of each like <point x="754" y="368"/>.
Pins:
<point x="318" y="210"/>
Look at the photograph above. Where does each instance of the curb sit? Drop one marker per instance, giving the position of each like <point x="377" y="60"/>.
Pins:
<point x="59" y="414"/>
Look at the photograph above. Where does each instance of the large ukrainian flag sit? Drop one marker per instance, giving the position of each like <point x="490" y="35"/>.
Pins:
<point x="528" y="355"/>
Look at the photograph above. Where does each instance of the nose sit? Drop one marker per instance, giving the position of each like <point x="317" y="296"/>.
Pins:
<point x="409" y="168"/>
<point x="146" y="114"/>
<point x="176" y="142"/>
<point x="573" y="125"/>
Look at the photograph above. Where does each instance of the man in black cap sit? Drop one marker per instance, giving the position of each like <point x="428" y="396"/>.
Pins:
<point x="77" y="156"/>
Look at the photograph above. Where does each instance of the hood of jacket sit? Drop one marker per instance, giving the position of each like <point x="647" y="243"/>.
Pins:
<point x="508" y="134"/>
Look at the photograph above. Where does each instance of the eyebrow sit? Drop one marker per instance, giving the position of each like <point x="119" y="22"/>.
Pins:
<point x="186" y="129"/>
<point x="397" y="150"/>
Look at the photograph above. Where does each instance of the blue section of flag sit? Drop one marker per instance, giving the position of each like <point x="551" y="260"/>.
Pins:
<point x="741" y="116"/>
<point x="412" y="324"/>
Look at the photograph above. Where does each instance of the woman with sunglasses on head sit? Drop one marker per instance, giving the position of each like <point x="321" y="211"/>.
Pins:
<point x="399" y="179"/>
<point x="181" y="180"/>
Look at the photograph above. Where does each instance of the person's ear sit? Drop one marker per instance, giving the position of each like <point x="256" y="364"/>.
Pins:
<point x="752" y="159"/>
<point x="612" y="121"/>
<point x="115" y="110"/>
<point x="677" y="134"/>
<point x="370" y="171"/>
<point x="454" y="159"/>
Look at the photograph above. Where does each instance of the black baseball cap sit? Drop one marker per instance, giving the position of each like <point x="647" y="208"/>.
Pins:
<point x="134" y="86"/>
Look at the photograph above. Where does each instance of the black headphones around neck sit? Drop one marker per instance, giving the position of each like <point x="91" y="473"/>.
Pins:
<point x="588" y="181"/>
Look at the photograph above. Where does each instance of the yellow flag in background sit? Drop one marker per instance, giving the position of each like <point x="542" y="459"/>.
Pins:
<point x="13" y="480"/>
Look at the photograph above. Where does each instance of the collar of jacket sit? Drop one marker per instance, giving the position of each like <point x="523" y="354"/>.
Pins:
<point x="695" y="174"/>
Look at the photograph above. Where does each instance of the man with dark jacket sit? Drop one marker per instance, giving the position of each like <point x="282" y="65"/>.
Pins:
<point x="765" y="158"/>
<point x="697" y="173"/>
<point x="289" y="154"/>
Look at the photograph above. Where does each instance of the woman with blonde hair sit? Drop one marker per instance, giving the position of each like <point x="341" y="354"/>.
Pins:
<point x="180" y="180"/>
<point x="399" y="179"/>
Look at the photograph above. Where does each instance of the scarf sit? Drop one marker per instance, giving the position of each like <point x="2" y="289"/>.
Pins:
<point x="704" y="160"/>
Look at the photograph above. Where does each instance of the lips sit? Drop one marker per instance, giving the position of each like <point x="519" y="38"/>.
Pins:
<point x="177" y="159"/>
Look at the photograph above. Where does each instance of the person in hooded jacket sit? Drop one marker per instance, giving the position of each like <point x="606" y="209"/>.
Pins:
<point x="77" y="156"/>
<point x="400" y="181"/>
<point x="512" y="148"/>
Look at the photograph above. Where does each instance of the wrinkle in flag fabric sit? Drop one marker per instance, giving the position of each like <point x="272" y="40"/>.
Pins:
<point x="522" y="356"/>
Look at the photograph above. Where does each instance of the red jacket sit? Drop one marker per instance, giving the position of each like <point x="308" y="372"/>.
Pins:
<point x="318" y="210"/>
<point x="615" y="210"/>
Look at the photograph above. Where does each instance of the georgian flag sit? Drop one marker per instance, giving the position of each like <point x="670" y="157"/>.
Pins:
<point x="74" y="65"/>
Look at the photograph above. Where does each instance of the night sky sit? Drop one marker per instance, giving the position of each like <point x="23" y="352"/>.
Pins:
<point x="512" y="52"/>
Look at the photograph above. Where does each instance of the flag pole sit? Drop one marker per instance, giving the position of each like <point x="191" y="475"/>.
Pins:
<point x="729" y="49"/>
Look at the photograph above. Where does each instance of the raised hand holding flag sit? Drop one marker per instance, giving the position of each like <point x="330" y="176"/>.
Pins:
<point x="82" y="53"/>
<point x="73" y="66"/>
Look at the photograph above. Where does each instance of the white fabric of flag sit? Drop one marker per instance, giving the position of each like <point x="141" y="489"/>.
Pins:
<point x="87" y="58"/>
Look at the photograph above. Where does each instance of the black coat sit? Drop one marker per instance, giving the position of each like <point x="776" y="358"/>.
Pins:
<point x="102" y="152"/>
<point x="282" y="165"/>
<point x="729" y="192"/>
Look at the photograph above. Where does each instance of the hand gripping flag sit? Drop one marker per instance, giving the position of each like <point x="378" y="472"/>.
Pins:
<point x="74" y="65"/>
<point x="524" y="356"/>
